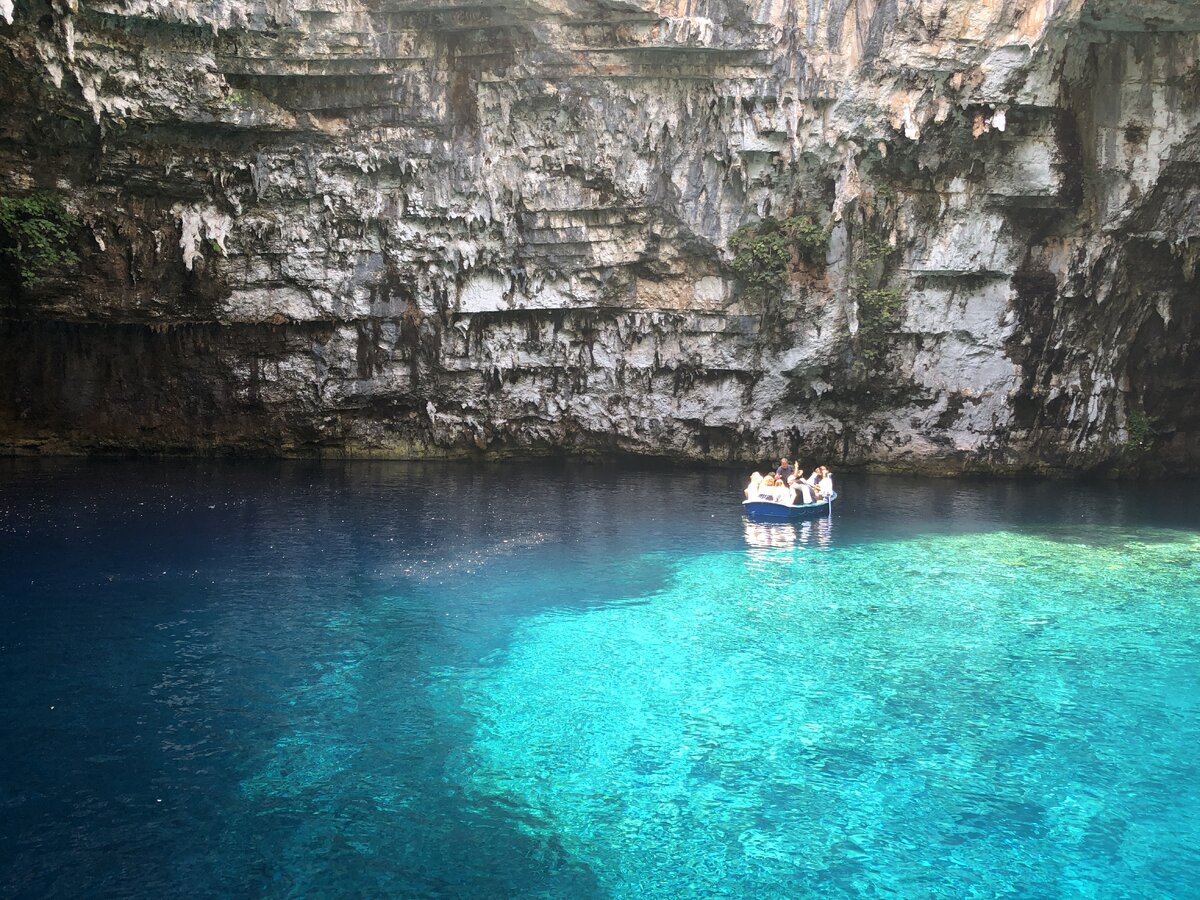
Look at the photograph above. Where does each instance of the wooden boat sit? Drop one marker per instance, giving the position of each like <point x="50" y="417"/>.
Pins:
<point x="768" y="509"/>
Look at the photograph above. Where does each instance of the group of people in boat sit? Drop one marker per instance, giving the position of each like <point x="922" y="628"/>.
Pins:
<point x="787" y="485"/>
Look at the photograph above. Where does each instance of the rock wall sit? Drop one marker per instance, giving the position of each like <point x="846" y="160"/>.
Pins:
<point x="414" y="228"/>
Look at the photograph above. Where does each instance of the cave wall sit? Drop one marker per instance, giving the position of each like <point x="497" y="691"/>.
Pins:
<point x="414" y="228"/>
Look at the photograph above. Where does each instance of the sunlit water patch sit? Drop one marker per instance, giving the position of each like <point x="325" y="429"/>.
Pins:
<point x="948" y="716"/>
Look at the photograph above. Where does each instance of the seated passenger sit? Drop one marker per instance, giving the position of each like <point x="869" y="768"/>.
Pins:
<point x="751" y="490"/>
<point x="814" y="481"/>
<point x="767" y="489"/>
<point x="786" y="494"/>
<point x="802" y="487"/>
<point x="784" y="472"/>
<point x="826" y="483"/>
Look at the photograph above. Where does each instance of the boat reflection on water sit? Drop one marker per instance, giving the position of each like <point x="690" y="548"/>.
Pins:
<point x="816" y="533"/>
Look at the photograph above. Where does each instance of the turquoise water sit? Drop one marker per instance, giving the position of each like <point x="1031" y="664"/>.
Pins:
<point x="378" y="679"/>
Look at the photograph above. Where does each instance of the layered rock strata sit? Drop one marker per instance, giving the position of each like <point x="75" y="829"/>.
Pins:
<point x="414" y="228"/>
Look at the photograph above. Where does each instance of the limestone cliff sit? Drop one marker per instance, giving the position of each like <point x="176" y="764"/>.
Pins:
<point x="410" y="227"/>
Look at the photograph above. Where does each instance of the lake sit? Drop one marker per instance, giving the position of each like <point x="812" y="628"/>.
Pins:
<point x="591" y="680"/>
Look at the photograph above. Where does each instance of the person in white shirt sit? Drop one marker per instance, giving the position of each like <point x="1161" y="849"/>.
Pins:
<point x="751" y="491"/>
<point x="783" y="493"/>
<point x="787" y="494"/>
<point x="814" y="481"/>
<point x="766" y="489"/>
<point x="802" y="487"/>
<point x="826" y="483"/>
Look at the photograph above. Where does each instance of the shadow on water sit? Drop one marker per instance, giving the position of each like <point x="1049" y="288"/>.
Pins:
<point x="259" y="656"/>
<point x="204" y="656"/>
<point x="434" y="520"/>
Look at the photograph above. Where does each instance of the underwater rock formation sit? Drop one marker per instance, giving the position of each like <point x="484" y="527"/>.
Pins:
<point x="418" y="228"/>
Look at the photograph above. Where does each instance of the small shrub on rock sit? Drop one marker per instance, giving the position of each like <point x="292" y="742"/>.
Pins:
<point x="36" y="236"/>
<point x="880" y="308"/>
<point x="763" y="251"/>
<point x="1142" y="431"/>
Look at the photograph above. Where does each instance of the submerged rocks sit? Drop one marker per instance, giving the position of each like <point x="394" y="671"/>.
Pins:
<point x="420" y="229"/>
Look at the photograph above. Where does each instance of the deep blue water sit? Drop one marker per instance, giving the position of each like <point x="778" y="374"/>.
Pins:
<point x="380" y="679"/>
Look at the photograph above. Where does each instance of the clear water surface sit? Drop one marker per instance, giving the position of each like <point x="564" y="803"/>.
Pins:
<point x="379" y="679"/>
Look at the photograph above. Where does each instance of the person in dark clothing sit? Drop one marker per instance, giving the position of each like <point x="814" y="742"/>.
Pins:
<point x="784" y="471"/>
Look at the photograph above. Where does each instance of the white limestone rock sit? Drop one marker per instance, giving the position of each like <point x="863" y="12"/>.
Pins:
<point x="431" y="237"/>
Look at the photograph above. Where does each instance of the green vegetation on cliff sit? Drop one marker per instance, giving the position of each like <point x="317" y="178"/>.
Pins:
<point x="880" y="308"/>
<point x="1142" y="431"/>
<point x="763" y="252"/>
<point x="36" y="234"/>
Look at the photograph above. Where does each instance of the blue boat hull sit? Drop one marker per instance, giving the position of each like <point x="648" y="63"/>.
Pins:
<point x="764" y="509"/>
